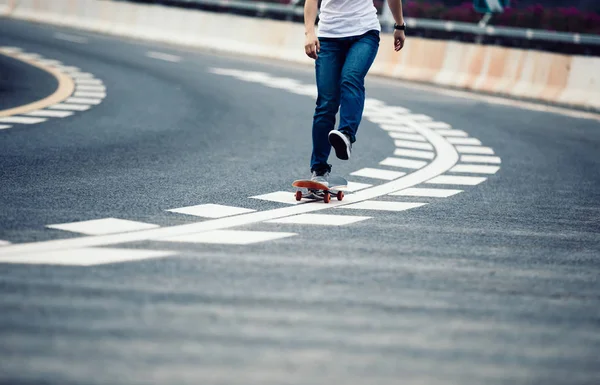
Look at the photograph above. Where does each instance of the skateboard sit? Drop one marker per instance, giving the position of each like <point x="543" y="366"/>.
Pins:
<point x="320" y="191"/>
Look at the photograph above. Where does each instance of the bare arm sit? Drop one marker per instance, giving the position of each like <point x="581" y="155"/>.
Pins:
<point x="311" y="44"/>
<point x="396" y="9"/>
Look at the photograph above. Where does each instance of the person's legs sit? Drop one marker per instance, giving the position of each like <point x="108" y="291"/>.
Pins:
<point x="359" y="59"/>
<point x="328" y="72"/>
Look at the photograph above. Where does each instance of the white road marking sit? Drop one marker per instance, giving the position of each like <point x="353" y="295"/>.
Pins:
<point x="320" y="219"/>
<point x="480" y="159"/>
<point x="228" y="237"/>
<point x="437" y="125"/>
<point x="307" y="90"/>
<point x="414" y="153"/>
<point x="81" y="75"/>
<point x="29" y="56"/>
<point x="72" y="107"/>
<point x="355" y="186"/>
<point x="457" y="180"/>
<point x="4" y="243"/>
<point x="163" y="56"/>
<point x="103" y="226"/>
<point x="68" y="69"/>
<point x="90" y="88"/>
<point x="85" y="256"/>
<point x="399" y="128"/>
<point x="21" y="120"/>
<point x="211" y="210"/>
<point x="282" y="83"/>
<point x="70" y="38"/>
<point x="421" y="118"/>
<point x="387" y="111"/>
<point x="4" y="126"/>
<point x="88" y="82"/>
<point x="383" y="205"/>
<point x="475" y="150"/>
<point x="83" y="101"/>
<point x="475" y="169"/>
<point x="452" y="133"/>
<point x="402" y="135"/>
<point x="50" y="62"/>
<point x="402" y="162"/>
<point x="465" y="141"/>
<point x="85" y="94"/>
<point x="415" y="145"/>
<point x="426" y="192"/>
<point x="279" y="197"/>
<point x="11" y="49"/>
<point x="50" y="113"/>
<point x="377" y="173"/>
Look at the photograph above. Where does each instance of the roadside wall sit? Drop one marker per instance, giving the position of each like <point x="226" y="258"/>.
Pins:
<point x="554" y="78"/>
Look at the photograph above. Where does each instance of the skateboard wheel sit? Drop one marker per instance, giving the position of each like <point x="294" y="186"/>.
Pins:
<point x="298" y="195"/>
<point x="326" y="197"/>
<point x="340" y="195"/>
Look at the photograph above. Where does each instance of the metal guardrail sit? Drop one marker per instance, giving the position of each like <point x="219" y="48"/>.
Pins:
<point x="290" y="10"/>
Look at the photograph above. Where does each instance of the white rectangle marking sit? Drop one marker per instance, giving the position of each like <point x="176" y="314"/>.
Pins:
<point x="384" y="205"/>
<point x="398" y="128"/>
<point x="85" y="256"/>
<point x="4" y="126"/>
<point x="50" y="113"/>
<point x="83" y="101"/>
<point x="29" y="56"/>
<point x="420" y="118"/>
<point x="437" y="125"/>
<point x="475" y="169"/>
<point x="103" y="226"/>
<point x="355" y="186"/>
<point x="90" y="88"/>
<point x="84" y="94"/>
<point x="163" y="56"/>
<point x="286" y="197"/>
<point x="402" y="135"/>
<point x="467" y="141"/>
<point x="415" y="145"/>
<point x="480" y="159"/>
<point x="50" y="62"/>
<point x="21" y="120"/>
<point x="88" y="82"/>
<point x="426" y="192"/>
<point x="71" y="107"/>
<point x="229" y="237"/>
<point x="68" y="69"/>
<point x="377" y="173"/>
<point x="402" y="162"/>
<point x="414" y="153"/>
<point x="452" y="133"/>
<point x="475" y="150"/>
<point x="11" y="49"/>
<point x="211" y="210"/>
<point x="457" y="180"/>
<point x="81" y="75"/>
<point x="320" y="219"/>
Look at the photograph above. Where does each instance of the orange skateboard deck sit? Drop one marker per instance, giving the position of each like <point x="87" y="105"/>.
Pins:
<point x="319" y="191"/>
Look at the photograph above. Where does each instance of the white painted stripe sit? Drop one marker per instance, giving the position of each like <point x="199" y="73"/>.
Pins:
<point x="475" y="169"/>
<point x="50" y="113"/>
<point x="480" y="159"/>
<point x="211" y="210"/>
<point x="4" y="126"/>
<point x="392" y="121"/>
<point x="21" y="120"/>
<point x="163" y="56"/>
<point x="388" y="111"/>
<point x="457" y="180"/>
<point x="70" y="38"/>
<point x="50" y="62"/>
<point x="355" y="186"/>
<point x="29" y="56"/>
<point x="402" y="135"/>
<point x="377" y="173"/>
<point x="85" y="256"/>
<point x="305" y="90"/>
<point x="90" y="88"/>
<point x="414" y="153"/>
<point x="81" y="75"/>
<point x="426" y="192"/>
<point x="68" y="69"/>
<point x="4" y="243"/>
<point x="229" y="237"/>
<point x="320" y="219"/>
<point x="399" y="128"/>
<point x="437" y="125"/>
<point x="467" y="141"/>
<point x="415" y="145"/>
<point x="420" y="118"/>
<point x="11" y="49"/>
<point x="474" y="150"/>
<point x="103" y="226"/>
<point x="73" y="107"/>
<point x="83" y="101"/>
<point x="402" y="162"/>
<point x="452" y="133"/>
<point x="84" y="94"/>
<point x="88" y="82"/>
<point x="286" y="197"/>
<point x="384" y="205"/>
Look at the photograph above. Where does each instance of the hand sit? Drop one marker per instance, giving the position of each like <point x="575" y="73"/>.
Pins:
<point x="399" y="38"/>
<point x="312" y="47"/>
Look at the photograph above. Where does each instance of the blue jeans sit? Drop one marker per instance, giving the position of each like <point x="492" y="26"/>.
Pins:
<point x="341" y="68"/>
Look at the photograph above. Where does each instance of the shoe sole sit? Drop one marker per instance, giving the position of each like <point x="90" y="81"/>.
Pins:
<point x="339" y="145"/>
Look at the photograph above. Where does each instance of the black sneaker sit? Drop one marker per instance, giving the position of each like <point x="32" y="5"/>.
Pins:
<point x="341" y="144"/>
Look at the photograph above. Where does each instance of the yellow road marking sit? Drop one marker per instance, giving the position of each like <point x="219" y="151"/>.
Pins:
<point x="63" y="91"/>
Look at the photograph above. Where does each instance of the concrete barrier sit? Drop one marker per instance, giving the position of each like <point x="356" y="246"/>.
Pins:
<point x="542" y="76"/>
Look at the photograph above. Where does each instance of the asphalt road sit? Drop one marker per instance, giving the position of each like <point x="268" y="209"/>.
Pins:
<point x="498" y="284"/>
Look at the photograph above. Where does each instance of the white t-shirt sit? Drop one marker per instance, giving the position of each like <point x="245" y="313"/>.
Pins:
<point x="343" y="18"/>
